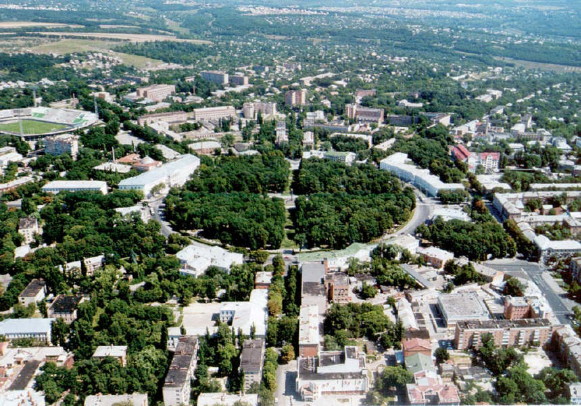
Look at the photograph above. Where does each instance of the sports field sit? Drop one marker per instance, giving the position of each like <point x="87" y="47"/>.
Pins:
<point x="31" y="127"/>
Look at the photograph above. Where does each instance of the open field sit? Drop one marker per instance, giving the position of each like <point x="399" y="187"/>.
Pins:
<point x="67" y="46"/>
<point x="542" y="66"/>
<point x="121" y="37"/>
<point x="31" y="127"/>
<point x="25" y="24"/>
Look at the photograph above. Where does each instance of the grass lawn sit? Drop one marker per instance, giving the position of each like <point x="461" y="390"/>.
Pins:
<point x="31" y="127"/>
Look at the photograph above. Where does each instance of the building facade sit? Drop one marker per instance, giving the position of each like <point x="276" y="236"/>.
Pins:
<point x="62" y="144"/>
<point x="506" y="333"/>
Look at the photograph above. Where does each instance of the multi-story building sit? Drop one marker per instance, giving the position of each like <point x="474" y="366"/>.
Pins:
<point x="134" y="399"/>
<point x="364" y="114"/>
<point x="93" y="264"/>
<point x="429" y="389"/>
<point x="57" y="186"/>
<point x="488" y="161"/>
<point x="434" y="256"/>
<point x="506" y="333"/>
<point x="238" y="80"/>
<point x="65" y="307"/>
<point x="461" y="307"/>
<point x="345" y="157"/>
<point x="156" y="93"/>
<point x="172" y="174"/>
<point x="251" y="110"/>
<point x="281" y="133"/>
<point x="338" y="287"/>
<point x="421" y="178"/>
<point x="295" y="98"/>
<point x="171" y="117"/>
<point x="214" y="113"/>
<point x="114" y="351"/>
<point x="214" y="76"/>
<point x="34" y="292"/>
<point x="28" y="228"/>
<point x="251" y="360"/>
<point x="332" y="373"/>
<point x="520" y="308"/>
<point x="37" y="329"/>
<point x="62" y="144"/>
<point x="226" y="399"/>
<point x="309" y="337"/>
<point x="177" y="386"/>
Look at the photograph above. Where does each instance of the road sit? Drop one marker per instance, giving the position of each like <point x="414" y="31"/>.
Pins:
<point x="155" y="205"/>
<point x="285" y="383"/>
<point x="424" y="209"/>
<point x="537" y="274"/>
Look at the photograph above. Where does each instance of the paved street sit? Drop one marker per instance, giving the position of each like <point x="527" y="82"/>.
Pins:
<point x="535" y="273"/>
<point x="155" y="205"/>
<point x="285" y="384"/>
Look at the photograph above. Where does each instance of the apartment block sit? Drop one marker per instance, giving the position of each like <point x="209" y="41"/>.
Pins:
<point x="251" y="360"/>
<point x="156" y="93"/>
<point x="295" y="98"/>
<point x="62" y="144"/>
<point x="506" y="333"/>
<point x="215" y="76"/>
<point x="214" y="113"/>
<point x="177" y="386"/>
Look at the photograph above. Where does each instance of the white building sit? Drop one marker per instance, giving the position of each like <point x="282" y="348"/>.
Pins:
<point x="27" y="397"/>
<point x="37" y="329"/>
<point x="34" y="292"/>
<point x="172" y="174"/>
<point x="28" y="228"/>
<point x="465" y="306"/>
<point x="7" y="155"/>
<point x="225" y="399"/>
<point x="113" y="351"/>
<point x="135" y="399"/>
<point x="346" y="157"/>
<point x="332" y="372"/>
<point x="247" y="315"/>
<point x="75" y="186"/>
<point x="196" y="258"/>
<point x="399" y="165"/>
<point x="435" y="257"/>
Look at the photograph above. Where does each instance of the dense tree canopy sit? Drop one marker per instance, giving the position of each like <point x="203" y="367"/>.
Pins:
<point x="476" y="241"/>
<point x="239" y="219"/>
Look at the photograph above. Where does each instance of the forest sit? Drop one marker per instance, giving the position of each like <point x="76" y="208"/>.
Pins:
<point x="236" y="218"/>
<point x="342" y="204"/>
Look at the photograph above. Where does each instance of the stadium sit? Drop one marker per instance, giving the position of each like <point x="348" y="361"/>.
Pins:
<point x="37" y="122"/>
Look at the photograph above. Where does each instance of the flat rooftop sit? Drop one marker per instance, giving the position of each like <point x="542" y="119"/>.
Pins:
<point x="458" y="306"/>
<point x="502" y="324"/>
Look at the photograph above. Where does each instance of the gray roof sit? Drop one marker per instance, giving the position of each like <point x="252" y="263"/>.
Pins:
<point x="162" y="172"/>
<point x="313" y="272"/>
<point x="25" y="326"/>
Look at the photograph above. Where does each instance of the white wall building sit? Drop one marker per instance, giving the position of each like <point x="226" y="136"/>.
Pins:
<point x="400" y="166"/>
<point x="75" y="186"/>
<point x="172" y="174"/>
<point x="37" y="329"/>
<point x="196" y="258"/>
<point x="135" y="399"/>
